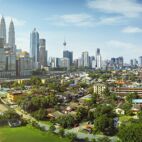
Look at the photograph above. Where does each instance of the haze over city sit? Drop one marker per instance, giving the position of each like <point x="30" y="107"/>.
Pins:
<point x="85" y="24"/>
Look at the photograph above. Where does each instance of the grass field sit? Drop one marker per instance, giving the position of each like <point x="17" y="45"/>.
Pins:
<point x="28" y="134"/>
<point x="125" y="118"/>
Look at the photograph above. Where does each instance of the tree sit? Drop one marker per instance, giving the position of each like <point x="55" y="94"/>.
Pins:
<point x="82" y="112"/>
<point x="71" y="136"/>
<point x="90" y="116"/>
<point x="90" y="90"/>
<point x="40" y="114"/>
<point x="52" y="128"/>
<point x="127" y="107"/>
<point x="61" y="132"/>
<point x="131" y="133"/>
<point x="104" y="121"/>
<point x="103" y="139"/>
<point x="83" y="85"/>
<point x="140" y="115"/>
<point x="107" y="92"/>
<point x="35" y="81"/>
<point x="94" y="98"/>
<point x="11" y="114"/>
<point x="66" y="121"/>
<point x="104" y="110"/>
<point x="105" y="124"/>
<point x="131" y="96"/>
<point x="94" y="140"/>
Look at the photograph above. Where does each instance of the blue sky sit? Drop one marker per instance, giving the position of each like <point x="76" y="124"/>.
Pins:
<point x="114" y="26"/>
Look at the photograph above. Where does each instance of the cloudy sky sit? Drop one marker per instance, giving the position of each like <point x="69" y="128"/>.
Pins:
<point x="114" y="26"/>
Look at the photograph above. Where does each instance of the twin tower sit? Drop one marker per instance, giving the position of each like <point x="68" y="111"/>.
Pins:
<point x="11" y="34"/>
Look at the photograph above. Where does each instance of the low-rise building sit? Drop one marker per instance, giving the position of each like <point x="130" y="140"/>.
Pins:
<point x="137" y="104"/>
<point x="123" y="91"/>
<point x="99" y="88"/>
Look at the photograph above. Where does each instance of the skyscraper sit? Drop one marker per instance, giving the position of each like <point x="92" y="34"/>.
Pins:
<point x="2" y="55"/>
<point x="3" y="29"/>
<point x="98" y="59"/>
<point x="140" y="61"/>
<point x="42" y="52"/>
<point x="11" y="37"/>
<point x="34" y="47"/>
<point x="85" y="59"/>
<point x="69" y="55"/>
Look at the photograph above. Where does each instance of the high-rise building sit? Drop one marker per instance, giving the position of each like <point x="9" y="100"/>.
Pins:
<point x="34" y="47"/>
<point x="2" y="55"/>
<point x="24" y="64"/>
<point x="98" y="59"/>
<point x="140" y="61"/>
<point x="134" y="63"/>
<point x="10" y="62"/>
<point x="131" y="63"/>
<point x="80" y="62"/>
<point x="55" y="62"/>
<point x="42" y="52"/>
<point x="92" y="61"/>
<point x="69" y="55"/>
<point x="120" y="62"/>
<point x="3" y="29"/>
<point x="11" y="37"/>
<point x="65" y="63"/>
<point x="85" y="59"/>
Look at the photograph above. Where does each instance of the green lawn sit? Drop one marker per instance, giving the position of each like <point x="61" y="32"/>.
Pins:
<point x="28" y="134"/>
<point x="125" y="118"/>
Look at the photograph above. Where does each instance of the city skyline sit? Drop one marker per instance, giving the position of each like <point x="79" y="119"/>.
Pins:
<point x="85" y="24"/>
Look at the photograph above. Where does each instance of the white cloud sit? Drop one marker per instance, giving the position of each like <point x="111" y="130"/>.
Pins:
<point x="17" y="22"/>
<point x="81" y="19"/>
<point x="120" y="44"/>
<point x="129" y="8"/>
<point x="110" y="20"/>
<point x="84" y="20"/>
<point x="128" y="50"/>
<point x="130" y="29"/>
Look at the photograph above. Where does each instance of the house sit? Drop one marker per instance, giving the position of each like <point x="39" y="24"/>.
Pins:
<point x="54" y="115"/>
<point x="119" y="111"/>
<point x="137" y="104"/>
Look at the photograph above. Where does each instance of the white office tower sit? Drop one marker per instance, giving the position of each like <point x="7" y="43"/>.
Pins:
<point x="34" y="48"/>
<point x="11" y="37"/>
<point x="85" y="59"/>
<point x="98" y="59"/>
<point x="3" y="29"/>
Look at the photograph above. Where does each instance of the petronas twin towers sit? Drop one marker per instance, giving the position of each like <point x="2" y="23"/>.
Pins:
<point x="11" y="34"/>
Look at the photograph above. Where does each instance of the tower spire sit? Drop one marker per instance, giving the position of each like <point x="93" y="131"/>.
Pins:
<point x="3" y="29"/>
